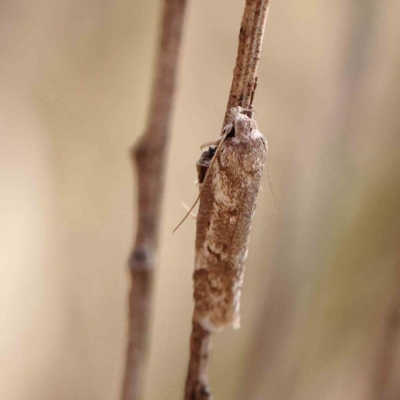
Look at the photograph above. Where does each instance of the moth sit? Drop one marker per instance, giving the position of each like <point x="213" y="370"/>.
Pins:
<point x="230" y="177"/>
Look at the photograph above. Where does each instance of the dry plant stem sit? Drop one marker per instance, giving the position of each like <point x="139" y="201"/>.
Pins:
<point x="149" y="158"/>
<point x="242" y="92"/>
<point x="200" y="349"/>
<point x="251" y="35"/>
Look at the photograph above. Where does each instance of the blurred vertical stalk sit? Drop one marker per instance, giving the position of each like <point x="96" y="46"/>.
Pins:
<point x="385" y="384"/>
<point x="148" y="156"/>
<point x="242" y="92"/>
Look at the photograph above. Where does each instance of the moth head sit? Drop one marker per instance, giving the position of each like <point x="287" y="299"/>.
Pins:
<point x="241" y="124"/>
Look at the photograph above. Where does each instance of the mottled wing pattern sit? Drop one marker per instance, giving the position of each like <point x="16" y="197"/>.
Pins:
<point x="227" y="206"/>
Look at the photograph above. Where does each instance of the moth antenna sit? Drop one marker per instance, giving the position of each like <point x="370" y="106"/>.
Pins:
<point x="188" y="213"/>
<point x="272" y="192"/>
<point x="223" y="137"/>
<point x="186" y="207"/>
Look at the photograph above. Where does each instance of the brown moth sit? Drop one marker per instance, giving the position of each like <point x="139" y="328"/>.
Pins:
<point x="230" y="180"/>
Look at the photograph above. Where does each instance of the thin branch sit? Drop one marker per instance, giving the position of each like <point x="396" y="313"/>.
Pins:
<point x="242" y="92"/>
<point x="200" y="349"/>
<point x="149" y="158"/>
<point x="251" y="36"/>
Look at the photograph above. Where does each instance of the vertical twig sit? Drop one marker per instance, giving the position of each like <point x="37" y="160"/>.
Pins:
<point x="242" y="91"/>
<point x="196" y="387"/>
<point x="251" y="35"/>
<point x="149" y="158"/>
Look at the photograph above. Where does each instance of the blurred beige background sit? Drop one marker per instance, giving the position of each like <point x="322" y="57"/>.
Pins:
<point x="75" y="79"/>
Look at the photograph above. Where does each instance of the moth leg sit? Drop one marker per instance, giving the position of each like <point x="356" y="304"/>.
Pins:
<point x="215" y="142"/>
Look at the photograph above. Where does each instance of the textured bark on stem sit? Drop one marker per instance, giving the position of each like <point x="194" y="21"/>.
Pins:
<point x="251" y="36"/>
<point x="197" y="378"/>
<point x="148" y="156"/>
<point x="221" y="278"/>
